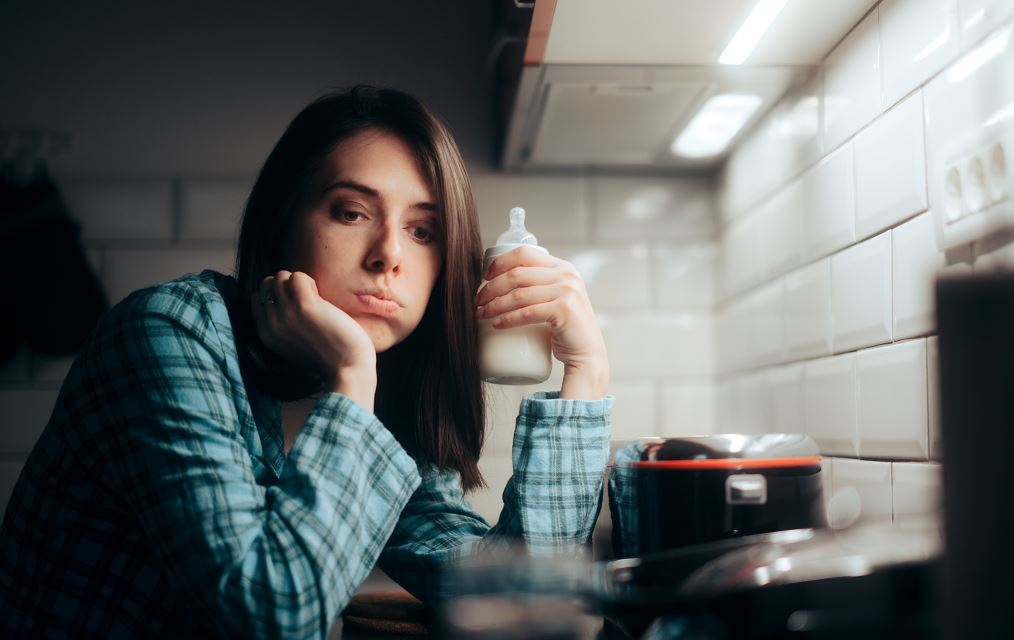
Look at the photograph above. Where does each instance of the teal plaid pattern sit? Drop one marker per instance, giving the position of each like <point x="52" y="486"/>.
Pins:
<point x="159" y="500"/>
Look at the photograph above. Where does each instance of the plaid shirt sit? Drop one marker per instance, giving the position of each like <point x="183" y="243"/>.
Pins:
<point x="160" y="501"/>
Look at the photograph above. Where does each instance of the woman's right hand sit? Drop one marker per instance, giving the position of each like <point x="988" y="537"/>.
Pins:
<point x="295" y="322"/>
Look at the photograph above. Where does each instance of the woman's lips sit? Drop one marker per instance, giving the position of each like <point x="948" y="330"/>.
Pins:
<point x="377" y="305"/>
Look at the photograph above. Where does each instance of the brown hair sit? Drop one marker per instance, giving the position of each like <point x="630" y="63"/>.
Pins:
<point x="428" y="390"/>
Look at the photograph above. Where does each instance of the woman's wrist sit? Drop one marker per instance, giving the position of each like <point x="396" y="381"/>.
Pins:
<point x="357" y="384"/>
<point x="585" y="382"/>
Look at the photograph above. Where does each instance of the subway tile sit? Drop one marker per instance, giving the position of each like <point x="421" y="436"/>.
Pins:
<point x="980" y="17"/>
<point x="742" y="256"/>
<point x="9" y="472"/>
<point x="130" y="269"/>
<point x="121" y="209"/>
<point x="765" y="321"/>
<point x="891" y="168"/>
<point x="827" y="481"/>
<point x="723" y="406"/>
<point x="785" y="386"/>
<point x="17" y="368"/>
<point x="212" y="208"/>
<point x="933" y="397"/>
<point x="26" y="412"/>
<point x="733" y="341"/>
<point x="918" y="38"/>
<point x="971" y="92"/>
<point x="685" y="276"/>
<point x="892" y="401"/>
<point x="503" y="401"/>
<point x="748" y="176"/>
<point x="871" y="482"/>
<point x="917" y="490"/>
<point x="556" y="206"/>
<point x="658" y="344"/>
<point x="749" y="406"/>
<point x="917" y="262"/>
<point x="852" y="83"/>
<point x="648" y="208"/>
<point x="633" y="410"/>
<point x="829" y="204"/>
<point x="829" y="404"/>
<point x="616" y="277"/>
<point x="861" y="294"/>
<point x="781" y="223"/>
<point x="687" y="408"/>
<point x="795" y="127"/>
<point x="808" y="311"/>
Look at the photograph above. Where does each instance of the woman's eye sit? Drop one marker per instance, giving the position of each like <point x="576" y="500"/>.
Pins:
<point x="349" y="216"/>
<point x="422" y="234"/>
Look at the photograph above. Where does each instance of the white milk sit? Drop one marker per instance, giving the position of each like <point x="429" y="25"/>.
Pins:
<point x="519" y="355"/>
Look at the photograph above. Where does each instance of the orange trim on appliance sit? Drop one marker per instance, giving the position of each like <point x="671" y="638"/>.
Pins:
<point x="728" y="463"/>
<point x="538" y="32"/>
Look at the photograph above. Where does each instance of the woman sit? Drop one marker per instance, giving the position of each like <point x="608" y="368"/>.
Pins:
<point x="235" y="455"/>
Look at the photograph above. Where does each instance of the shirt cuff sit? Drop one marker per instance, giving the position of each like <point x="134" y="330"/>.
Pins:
<point x="548" y="404"/>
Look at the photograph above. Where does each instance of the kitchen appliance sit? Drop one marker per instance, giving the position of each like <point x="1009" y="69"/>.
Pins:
<point x="875" y="580"/>
<point x="673" y="492"/>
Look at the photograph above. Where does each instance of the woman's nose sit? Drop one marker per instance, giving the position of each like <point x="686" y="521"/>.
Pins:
<point x="385" y="252"/>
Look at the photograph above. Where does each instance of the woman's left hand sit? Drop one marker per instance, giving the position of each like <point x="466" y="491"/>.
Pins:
<point x="527" y="286"/>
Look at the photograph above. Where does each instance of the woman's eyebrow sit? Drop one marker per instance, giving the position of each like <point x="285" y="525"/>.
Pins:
<point x="373" y="193"/>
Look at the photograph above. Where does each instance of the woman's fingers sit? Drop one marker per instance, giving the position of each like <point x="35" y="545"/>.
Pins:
<point x="521" y="257"/>
<point x="543" y="312"/>
<point x="521" y="298"/>
<point x="514" y="279"/>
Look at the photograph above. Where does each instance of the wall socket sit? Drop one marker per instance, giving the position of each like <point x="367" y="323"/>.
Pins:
<point x="972" y="183"/>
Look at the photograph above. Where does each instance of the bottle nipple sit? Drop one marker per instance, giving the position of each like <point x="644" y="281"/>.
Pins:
<point x="517" y="233"/>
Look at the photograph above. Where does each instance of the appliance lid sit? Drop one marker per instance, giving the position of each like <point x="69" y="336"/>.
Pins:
<point x="730" y="450"/>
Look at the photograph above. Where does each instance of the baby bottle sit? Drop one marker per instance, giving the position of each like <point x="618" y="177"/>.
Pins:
<point x="518" y="355"/>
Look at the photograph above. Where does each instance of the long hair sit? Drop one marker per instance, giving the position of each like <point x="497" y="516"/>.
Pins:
<point x="428" y="390"/>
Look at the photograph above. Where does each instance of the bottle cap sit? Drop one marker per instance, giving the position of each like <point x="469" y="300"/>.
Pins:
<point x="516" y="236"/>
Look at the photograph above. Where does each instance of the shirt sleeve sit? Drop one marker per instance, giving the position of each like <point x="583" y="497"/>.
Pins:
<point x="550" y="504"/>
<point x="277" y="561"/>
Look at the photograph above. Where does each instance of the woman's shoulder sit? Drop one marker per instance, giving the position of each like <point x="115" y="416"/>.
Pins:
<point x="197" y="302"/>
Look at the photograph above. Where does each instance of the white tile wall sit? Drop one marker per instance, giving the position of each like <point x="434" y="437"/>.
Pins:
<point x="916" y="265"/>
<point x="748" y="409"/>
<point x="660" y="344"/>
<point x="785" y="386"/>
<point x="808" y="311"/>
<point x="891" y="168"/>
<point x="917" y="490"/>
<point x="662" y="208"/>
<point x="121" y="209"/>
<point x="909" y="79"/>
<point x="933" y="397"/>
<point x="687" y="408"/>
<point x="852" y="82"/>
<point x="634" y="413"/>
<point x="861" y="294"/>
<point x="918" y="38"/>
<point x="130" y="269"/>
<point x="829" y="204"/>
<point x="980" y="17"/>
<point x="556" y="207"/>
<point x="211" y="208"/>
<point x="617" y="278"/>
<point x="829" y="404"/>
<point x="684" y="276"/>
<point x="872" y="482"/>
<point x="891" y="383"/>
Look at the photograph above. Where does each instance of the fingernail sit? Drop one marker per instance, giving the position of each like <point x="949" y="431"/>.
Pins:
<point x="480" y="310"/>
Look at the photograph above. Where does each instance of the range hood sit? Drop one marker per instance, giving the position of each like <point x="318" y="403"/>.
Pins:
<point x="612" y="84"/>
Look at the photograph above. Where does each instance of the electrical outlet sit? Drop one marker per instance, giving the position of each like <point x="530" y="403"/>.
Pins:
<point x="972" y="184"/>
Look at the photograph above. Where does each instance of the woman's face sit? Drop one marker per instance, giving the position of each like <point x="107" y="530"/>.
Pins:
<point x="367" y="234"/>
